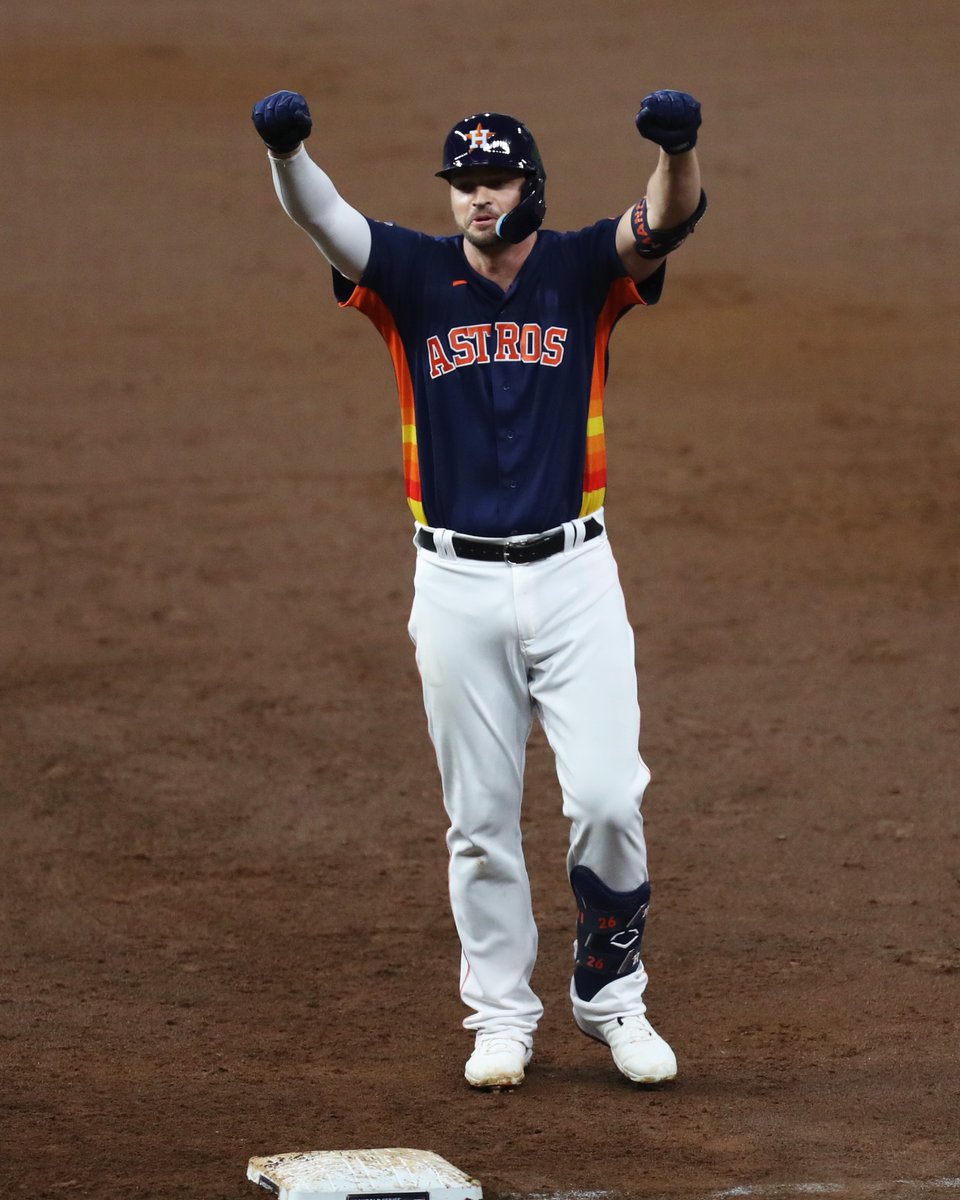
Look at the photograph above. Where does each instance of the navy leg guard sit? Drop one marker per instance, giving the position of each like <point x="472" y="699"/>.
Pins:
<point x="609" y="931"/>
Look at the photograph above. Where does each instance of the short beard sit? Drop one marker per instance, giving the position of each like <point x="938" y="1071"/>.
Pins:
<point x="483" y="239"/>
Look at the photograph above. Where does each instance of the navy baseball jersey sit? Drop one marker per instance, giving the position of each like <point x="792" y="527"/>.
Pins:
<point x="501" y="393"/>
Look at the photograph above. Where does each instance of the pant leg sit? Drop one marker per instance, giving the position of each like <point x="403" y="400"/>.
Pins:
<point x="583" y="680"/>
<point x="479" y="715"/>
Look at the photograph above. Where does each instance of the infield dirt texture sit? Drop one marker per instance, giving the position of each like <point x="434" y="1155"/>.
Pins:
<point x="224" y="915"/>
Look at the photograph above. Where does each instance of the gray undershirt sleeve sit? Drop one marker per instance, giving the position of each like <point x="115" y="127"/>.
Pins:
<point x="308" y="196"/>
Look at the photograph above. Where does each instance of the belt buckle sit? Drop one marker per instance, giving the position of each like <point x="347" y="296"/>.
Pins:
<point x="522" y="548"/>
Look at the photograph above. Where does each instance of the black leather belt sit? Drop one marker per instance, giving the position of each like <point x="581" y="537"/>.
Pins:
<point x="529" y="550"/>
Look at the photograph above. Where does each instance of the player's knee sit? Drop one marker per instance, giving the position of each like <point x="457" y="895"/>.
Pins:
<point x="481" y="842"/>
<point x="475" y="859"/>
<point x="612" y="801"/>
<point x="617" y="813"/>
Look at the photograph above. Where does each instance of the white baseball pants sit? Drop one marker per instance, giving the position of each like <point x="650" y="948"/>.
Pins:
<point x="497" y="643"/>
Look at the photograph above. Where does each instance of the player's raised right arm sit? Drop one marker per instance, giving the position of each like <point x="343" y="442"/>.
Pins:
<point x="306" y="192"/>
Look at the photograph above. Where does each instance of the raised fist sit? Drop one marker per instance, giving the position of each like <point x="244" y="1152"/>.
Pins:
<point x="671" y="119"/>
<point x="282" y="120"/>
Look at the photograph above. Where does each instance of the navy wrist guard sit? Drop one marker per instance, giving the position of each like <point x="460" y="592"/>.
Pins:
<point x="656" y="243"/>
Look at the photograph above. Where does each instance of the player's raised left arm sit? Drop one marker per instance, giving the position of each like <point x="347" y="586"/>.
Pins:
<point x="674" y="200"/>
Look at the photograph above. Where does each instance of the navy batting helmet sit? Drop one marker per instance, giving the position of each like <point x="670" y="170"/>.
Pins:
<point x="490" y="140"/>
<point x="496" y="140"/>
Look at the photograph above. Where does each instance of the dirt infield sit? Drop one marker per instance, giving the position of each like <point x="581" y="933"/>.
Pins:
<point x="224" y="921"/>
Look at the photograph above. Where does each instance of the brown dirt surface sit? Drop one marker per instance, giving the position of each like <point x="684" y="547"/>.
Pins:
<point x="224" y="919"/>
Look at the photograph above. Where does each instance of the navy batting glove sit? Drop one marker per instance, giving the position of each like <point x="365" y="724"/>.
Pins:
<point x="671" y="119"/>
<point x="282" y="120"/>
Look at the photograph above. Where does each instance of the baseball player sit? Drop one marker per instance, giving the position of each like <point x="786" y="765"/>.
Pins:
<point x="498" y="336"/>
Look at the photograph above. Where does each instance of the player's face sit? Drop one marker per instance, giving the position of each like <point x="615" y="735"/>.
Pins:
<point x="478" y="196"/>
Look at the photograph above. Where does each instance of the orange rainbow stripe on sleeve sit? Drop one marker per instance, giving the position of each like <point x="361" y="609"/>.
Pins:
<point x="370" y="304"/>
<point x="623" y="294"/>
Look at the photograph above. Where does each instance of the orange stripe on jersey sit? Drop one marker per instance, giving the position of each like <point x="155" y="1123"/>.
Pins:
<point x="370" y="304"/>
<point x="623" y="293"/>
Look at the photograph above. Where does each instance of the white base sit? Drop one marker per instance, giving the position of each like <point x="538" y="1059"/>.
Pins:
<point x="393" y="1174"/>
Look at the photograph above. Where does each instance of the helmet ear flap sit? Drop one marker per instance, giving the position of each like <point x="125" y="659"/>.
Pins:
<point x="527" y="217"/>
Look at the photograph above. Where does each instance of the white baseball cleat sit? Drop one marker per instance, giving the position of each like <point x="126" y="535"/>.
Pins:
<point x="638" y="1050"/>
<point x="497" y="1061"/>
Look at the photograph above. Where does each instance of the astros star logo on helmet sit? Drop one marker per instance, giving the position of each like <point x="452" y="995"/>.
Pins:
<point x="479" y="139"/>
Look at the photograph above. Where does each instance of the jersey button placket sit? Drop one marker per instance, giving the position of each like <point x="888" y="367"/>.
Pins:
<point x="504" y="409"/>
<point x="507" y="391"/>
